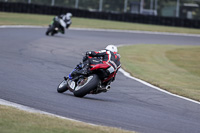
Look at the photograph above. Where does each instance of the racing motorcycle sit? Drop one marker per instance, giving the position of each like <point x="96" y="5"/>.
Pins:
<point x="88" y="78"/>
<point x="57" y="26"/>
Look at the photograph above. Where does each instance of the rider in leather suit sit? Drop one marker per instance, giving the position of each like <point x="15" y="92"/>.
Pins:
<point x="66" y="19"/>
<point x="107" y="56"/>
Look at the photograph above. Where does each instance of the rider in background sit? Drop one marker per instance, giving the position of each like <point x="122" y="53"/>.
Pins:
<point x="65" y="21"/>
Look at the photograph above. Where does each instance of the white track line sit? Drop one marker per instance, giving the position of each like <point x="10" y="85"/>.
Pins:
<point x="32" y="110"/>
<point x="107" y="30"/>
<point x="21" y="26"/>
<point x="139" y="32"/>
<point x="154" y="87"/>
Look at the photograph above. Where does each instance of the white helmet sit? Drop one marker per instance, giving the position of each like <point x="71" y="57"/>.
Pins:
<point x="68" y="15"/>
<point x="112" y="48"/>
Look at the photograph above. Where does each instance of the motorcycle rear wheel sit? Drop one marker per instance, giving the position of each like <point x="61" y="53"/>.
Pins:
<point x="90" y="83"/>
<point x="62" y="87"/>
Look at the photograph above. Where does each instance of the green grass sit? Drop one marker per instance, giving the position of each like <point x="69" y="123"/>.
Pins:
<point x="44" y="20"/>
<point x="171" y="67"/>
<point x="13" y="120"/>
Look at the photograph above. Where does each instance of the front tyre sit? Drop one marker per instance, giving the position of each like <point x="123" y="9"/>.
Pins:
<point x="88" y="84"/>
<point x="62" y="87"/>
<point x="50" y="29"/>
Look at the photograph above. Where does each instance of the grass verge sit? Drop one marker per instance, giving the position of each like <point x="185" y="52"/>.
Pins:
<point x="170" y="67"/>
<point x="44" y="20"/>
<point x="13" y="120"/>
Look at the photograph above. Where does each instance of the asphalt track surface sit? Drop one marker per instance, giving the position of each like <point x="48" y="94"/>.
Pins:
<point x="32" y="65"/>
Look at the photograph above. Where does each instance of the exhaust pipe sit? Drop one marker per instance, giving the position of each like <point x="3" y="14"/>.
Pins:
<point x="107" y="87"/>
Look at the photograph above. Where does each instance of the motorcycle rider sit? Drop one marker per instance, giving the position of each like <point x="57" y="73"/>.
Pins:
<point x="67" y="19"/>
<point x="107" y="56"/>
<point x="64" y="21"/>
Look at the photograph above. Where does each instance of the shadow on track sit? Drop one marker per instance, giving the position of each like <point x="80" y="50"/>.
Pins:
<point x="89" y="97"/>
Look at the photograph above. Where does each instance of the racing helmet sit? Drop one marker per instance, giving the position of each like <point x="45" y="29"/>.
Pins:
<point x="112" y="48"/>
<point x="68" y="15"/>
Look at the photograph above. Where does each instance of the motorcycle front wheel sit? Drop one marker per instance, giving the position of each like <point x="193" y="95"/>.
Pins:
<point x="62" y="87"/>
<point x="49" y="30"/>
<point x="86" y="85"/>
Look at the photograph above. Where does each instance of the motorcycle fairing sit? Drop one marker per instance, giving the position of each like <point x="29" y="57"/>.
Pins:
<point x="99" y="66"/>
<point x="103" y="66"/>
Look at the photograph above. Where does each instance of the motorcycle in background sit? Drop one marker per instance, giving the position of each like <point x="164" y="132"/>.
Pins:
<point x="57" y="25"/>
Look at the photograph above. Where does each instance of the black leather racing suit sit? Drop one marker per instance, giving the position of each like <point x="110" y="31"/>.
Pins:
<point x="106" y="57"/>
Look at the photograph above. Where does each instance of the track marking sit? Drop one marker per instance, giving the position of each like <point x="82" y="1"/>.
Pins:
<point x="107" y="30"/>
<point x="33" y="110"/>
<point x="139" y="32"/>
<point x="154" y="87"/>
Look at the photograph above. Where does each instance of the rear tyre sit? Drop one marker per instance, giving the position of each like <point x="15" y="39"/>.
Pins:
<point x="90" y="84"/>
<point x="62" y="87"/>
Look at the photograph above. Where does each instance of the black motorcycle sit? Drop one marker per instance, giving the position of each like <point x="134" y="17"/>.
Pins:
<point x="57" y="25"/>
<point x="88" y="78"/>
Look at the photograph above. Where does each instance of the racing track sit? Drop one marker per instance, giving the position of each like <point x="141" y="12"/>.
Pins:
<point x="32" y="65"/>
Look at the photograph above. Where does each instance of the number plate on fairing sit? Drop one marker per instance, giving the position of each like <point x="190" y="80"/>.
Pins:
<point x="111" y="69"/>
<point x="71" y="84"/>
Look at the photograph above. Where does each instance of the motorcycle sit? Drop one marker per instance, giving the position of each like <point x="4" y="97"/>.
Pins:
<point x="88" y="77"/>
<point x="57" y="25"/>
